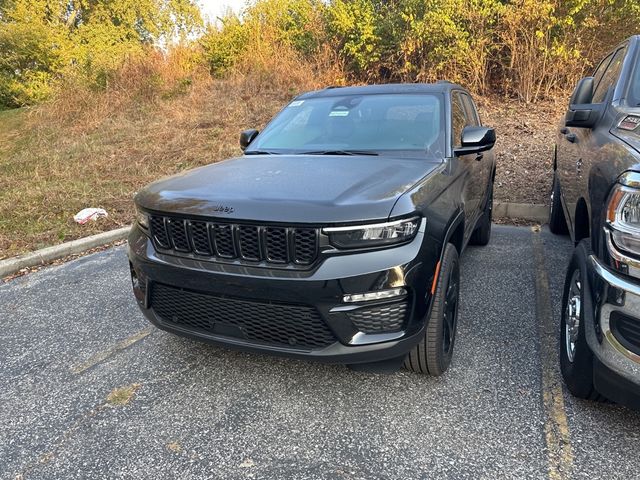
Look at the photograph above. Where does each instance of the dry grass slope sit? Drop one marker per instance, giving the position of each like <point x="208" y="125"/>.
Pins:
<point x="96" y="150"/>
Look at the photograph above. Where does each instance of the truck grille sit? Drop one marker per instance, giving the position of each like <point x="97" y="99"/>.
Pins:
<point x="270" y="323"/>
<point x="626" y="329"/>
<point x="251" y="243"/>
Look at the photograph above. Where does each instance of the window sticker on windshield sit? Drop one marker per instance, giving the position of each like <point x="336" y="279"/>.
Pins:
<point x="297" y="103"/>
<point x="339" y="113"/>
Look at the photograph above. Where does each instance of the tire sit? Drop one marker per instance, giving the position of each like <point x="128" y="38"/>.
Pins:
<point x="557" y="220"/>
<point x="433" y="354"/>
<point x="482" y="234"/>
<point x="576" y="358"/>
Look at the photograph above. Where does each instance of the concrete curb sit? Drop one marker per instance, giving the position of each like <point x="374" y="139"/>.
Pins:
<point x="537" y="213"/>
<point x="49" y="254"/>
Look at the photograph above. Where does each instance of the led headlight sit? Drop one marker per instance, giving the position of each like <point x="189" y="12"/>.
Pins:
<point x="142" y="219"/>
<point x="373" y="235"/>
<point x="623" y="213"/>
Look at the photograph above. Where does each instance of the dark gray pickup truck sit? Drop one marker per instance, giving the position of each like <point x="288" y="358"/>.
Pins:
<point x="596" y="197"/>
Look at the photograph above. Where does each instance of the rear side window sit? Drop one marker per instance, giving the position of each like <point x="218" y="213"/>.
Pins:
<point x="472" y="114"/>
<point x="458" y="119"/>
<point x="597" y="75"/>
<point x="610" y="76"/>
<point x="634" y="92"/>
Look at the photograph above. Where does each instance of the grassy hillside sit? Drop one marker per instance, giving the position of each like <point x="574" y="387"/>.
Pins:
<point x="68" y="155"/>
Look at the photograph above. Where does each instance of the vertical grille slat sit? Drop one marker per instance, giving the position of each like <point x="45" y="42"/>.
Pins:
<point x="267" y="244"/>
<point x="200" y="238"/>
<point x="305" y="245"/>
<point x="225" y="246"/>
<point x="159" y="232"/>
<point x="249" y="239"/>
<point x="277" y="245"/>
<point x="178" y="233"/>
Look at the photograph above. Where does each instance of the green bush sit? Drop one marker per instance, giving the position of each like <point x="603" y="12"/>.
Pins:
<point x="42" y="41"/>
<point x="523" y="48"/>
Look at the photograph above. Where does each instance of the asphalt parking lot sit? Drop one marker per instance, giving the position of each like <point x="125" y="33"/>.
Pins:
<point x="72" y="335"/>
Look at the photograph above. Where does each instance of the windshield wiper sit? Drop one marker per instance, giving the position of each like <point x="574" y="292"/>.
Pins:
<point x="261" y="152"/>
<point x="340" y="152"/>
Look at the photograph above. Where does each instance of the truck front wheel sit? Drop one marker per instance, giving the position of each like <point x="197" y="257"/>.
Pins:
<point x="576" y="358"/>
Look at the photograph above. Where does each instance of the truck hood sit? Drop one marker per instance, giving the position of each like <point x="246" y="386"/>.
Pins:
<point x="630" y="138"/>
<point x="289" y="188"/>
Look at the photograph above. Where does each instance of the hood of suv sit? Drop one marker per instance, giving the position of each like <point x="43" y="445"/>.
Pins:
<point x="289" y="188"/>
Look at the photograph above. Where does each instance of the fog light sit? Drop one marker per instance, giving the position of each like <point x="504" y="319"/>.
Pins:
<point x="379" y="295"/>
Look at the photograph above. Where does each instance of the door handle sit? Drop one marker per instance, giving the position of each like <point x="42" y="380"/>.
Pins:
<point x="572" y="138"/>
<point x="479" y="157"/>
<point x="564" y="130"/>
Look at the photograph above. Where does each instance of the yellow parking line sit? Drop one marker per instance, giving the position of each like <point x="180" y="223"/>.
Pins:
<point x="556" y="426"/>
<point x="102" y="356"/>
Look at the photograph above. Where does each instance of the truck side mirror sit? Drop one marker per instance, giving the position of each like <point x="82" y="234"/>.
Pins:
<point x="583" y="93"/>
<point x="247" y="137"/>
<point x="476" y="140"/>
<point x="582" y="113"/>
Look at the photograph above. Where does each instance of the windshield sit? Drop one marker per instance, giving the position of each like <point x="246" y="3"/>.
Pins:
<point x="408" y="125"/>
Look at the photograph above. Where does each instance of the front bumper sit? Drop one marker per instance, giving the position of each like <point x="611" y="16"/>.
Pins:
<point x="318" y="291"/>
<point x="617" y="365"/>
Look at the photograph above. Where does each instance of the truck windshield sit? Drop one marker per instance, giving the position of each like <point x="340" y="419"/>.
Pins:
<point x="397" y="124"/>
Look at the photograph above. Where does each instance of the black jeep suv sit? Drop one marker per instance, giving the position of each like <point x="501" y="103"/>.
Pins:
<point x="336" y="235"/>
<point x="596" y="195"/>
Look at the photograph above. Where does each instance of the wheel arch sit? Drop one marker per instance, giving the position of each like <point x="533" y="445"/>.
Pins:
<point x="582" y="222"/>
<point x="455" y="233"/>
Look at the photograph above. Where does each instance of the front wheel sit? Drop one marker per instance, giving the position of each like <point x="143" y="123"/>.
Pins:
<point x="433" y="354"/>
<point x="576" y="358"/>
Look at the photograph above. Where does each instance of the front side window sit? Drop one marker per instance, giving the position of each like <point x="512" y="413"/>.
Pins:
<point x="458" y="119"/>
<point x="472" y="113"/>
<point x="409" y="125"/>
<point x="634" y="91"/>
<point x="610" y="76"/>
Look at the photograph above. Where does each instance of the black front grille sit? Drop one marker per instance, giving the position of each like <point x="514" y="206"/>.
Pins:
<point x="383" y="318"/>
<point x="200" y="237"/>
<point x="306" y="245"/>
<point x="178" y="234"/>
<point x="159" y="229"/>
<point x="626" y="329"/>
<point x="269" y="323"/>
<point x="251" y="243"/>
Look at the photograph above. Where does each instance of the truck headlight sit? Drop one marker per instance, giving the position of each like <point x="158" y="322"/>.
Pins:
<point x="623" y="213"/>
<point x="142" y="219"/>
<point x="374" y="235"/>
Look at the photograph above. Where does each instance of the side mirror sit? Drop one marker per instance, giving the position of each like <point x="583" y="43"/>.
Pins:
<point x="582" y="113"/>
<point x="247" y="137"/>
<point x="476" y="140"/>
<point x="583" y="92"/>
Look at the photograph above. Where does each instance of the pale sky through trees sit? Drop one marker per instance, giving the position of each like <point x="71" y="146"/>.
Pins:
<point x="215" y="8"/>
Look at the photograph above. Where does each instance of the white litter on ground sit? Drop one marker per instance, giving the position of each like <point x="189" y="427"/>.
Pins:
<point x="86" y="214"/>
